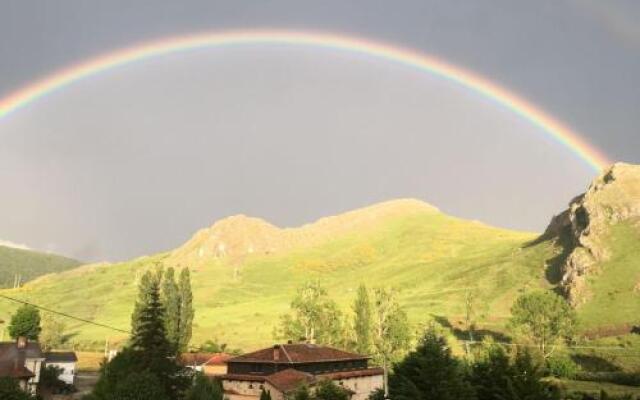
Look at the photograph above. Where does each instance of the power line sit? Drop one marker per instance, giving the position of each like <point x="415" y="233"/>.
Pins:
<point x="86" y="321"/>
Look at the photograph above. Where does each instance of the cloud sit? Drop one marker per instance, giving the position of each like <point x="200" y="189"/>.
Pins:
<point x="618" y="17"/>
<point x="7" y="243"/>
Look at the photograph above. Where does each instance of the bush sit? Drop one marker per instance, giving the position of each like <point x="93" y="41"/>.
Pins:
<point x="621" y="378"/>
<point x="9" y="390"/>
<point x="561" y="366"/>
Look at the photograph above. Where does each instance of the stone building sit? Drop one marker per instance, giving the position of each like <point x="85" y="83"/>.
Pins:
<point x="281" y="369"/>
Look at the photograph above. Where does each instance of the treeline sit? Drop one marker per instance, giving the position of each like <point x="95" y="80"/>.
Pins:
<point x="161" y="325"/>
<point x="377" y="325"/>
<point x="421" y="365"/>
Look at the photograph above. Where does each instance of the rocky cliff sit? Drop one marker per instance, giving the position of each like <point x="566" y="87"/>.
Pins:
<point x="582" y="229"/>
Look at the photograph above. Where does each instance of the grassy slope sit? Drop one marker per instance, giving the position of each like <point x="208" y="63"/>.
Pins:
<point x="29" y="264"/>
<point x="614" y="301"/>
<point x="433" y="258"/>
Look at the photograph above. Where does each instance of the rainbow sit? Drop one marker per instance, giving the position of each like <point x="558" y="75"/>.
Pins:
<point x="526" y="110"/>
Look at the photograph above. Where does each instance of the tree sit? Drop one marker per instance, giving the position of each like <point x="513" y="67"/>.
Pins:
<point x="140" y="385"/>
<point x="52" y="334"/>
<point x="25" y="323"/>
<point x="302" y="393"/>
<point x="362" y="324"/>
<point x="265" y="395"/>
<point x="545" y="318"/>
<point x="172" y="303"/>
<point x="10" y="390"/>
<point x="328" y="390"/>
<point x="527" y="381"/>
<point x="497" y="377"/>
<point x="391" y="330"/>
<point x="186" y="309"/>
<point x="430" y="372"/>
<point x="469" y="312"/>
<point x="204" y="388"/>
<point x="50" y="379"/>
<point x="148" y="339"/>
<point x="315" y="317"/>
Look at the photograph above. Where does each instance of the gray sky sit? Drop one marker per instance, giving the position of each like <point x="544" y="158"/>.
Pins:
<point x="135" y="160"/>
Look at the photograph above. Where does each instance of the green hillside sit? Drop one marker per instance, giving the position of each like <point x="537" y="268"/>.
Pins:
<point x="239" y="294"/>
<point x="245" y="270"/>
<point x="26" y="265"/>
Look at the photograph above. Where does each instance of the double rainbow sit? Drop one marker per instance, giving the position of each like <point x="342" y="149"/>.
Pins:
<point x="551" y="126"/>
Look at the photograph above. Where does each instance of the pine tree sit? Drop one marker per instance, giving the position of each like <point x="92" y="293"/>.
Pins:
<point x="153" y="352"/>
<point x="171" y="298"/>
<point x="363" y="322"/>
<point x="186" y="309"/>
<point x="430" y="372"/>
<point x="204" y="388"/>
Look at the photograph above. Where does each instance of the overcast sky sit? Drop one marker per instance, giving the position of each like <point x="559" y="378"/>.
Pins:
<point x="136" y="159"/>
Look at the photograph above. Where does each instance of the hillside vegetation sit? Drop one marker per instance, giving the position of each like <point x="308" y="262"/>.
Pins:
<point x="25" y="265"/>
<point x="245" y="270"/>
<point x="243" y="281"/>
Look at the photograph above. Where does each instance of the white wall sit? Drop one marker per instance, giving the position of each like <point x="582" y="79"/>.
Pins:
<point x="68" y="371"/>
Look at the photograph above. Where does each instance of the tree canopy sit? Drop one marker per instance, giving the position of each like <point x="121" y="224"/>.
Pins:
<point x="25" y="323"/>
<point x="430" y="372"/>
<point x="545" y="318"/>
<point x="314" y="317"/>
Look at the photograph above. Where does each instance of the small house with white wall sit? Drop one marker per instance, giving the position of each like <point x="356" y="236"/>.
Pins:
<point x="66" y="362"/>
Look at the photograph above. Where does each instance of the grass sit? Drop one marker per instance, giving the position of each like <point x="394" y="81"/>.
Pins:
<point x="431" y="257"/>
<point x="615" y="298"/>
<point x="29" y="265"/>
<point x="594" y="388"/>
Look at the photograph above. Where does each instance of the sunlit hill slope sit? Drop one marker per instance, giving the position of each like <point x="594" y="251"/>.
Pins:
<point x="246" y="270"/>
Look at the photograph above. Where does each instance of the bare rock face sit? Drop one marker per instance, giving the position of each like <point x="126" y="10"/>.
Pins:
<point x="611" y="198"/>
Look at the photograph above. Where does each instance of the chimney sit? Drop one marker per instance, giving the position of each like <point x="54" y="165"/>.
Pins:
<point x="276" y="353"/>
<point x="21" y="342"/>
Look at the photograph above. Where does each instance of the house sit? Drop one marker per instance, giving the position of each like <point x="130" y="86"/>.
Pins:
<point x="281" y="369"/>
<point x="66" y="362"/>
<point x="23" y="361"/>
<point x="211" y="364"/>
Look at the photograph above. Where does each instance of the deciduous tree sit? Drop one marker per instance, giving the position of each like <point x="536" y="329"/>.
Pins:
<point x="545" y="318"/>
<point x="25" y="323"/>
<point x="186" y="309"/>
<point x="362" y="324"/>
<point x="391" y="331"/>
<point x="314" y="317"/>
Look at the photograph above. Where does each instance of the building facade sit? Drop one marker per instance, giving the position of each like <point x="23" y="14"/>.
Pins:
<point x="22" y="360"/>
<point x="281" y="369"/>
<point x="66" y="362"/>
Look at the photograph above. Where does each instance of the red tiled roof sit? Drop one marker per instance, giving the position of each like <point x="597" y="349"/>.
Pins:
<point x="9" y="370"/>
<point x="188" y="359"/>
<point x="297" y="353"/>
<point x="290" y="379"/>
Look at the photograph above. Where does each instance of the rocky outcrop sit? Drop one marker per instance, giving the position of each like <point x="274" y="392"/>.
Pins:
<point x="233" y="239"/>
<point x="582" y="229"/>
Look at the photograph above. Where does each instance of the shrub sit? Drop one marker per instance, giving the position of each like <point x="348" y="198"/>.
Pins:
<point x="561" y="366"/>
